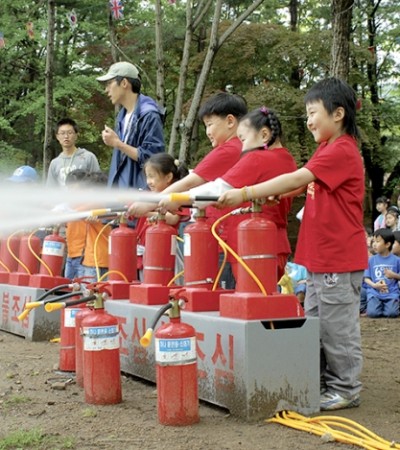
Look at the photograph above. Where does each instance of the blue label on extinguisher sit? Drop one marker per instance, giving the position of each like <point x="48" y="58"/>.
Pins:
<point x="176" y="351"/>
<point x="100" y="338"/>
<point x="53" y="248"/>
<point x="173" y="345"/>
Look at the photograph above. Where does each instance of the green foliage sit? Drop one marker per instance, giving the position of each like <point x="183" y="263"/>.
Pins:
<point x="263" y="60"/>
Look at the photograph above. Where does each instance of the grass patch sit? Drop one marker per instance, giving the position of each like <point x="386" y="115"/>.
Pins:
<point x="17" y="400"/>
<point x="22" y="439"/>
<point x="89" y="412"/>
<point x="35" y="439"/>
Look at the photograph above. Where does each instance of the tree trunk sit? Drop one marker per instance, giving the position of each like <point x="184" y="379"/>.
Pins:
<point x="198" y="92"/>
<point x="160" y="86"/>
<point x="295" y="81"/>
<point x="341" y="26"/>
<point x="213" y="47"/>
<point x="372" y="151"/>
<point x="49" y="110"/>
<point x="176" y="121"/>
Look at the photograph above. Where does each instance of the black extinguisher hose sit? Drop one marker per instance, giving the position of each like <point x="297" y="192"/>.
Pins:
<point x="54" y="289"/>
<point x="50" y="307"/>
<point x="146" y="338"/>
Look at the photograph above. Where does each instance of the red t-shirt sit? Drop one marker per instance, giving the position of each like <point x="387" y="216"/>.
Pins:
<point x="213" y="166"/>
<point x="219" y="160"/>
<point x="255" y="167"/>
<point x="332" y="237"/>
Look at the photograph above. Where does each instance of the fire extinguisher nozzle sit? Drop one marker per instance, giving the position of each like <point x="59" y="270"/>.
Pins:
<point x="32" y="305"/>
<point x="146" y="338"/>
<point x="24" y="314"/>
<point x="50" y="307"/>
<point x="180" y="197"/>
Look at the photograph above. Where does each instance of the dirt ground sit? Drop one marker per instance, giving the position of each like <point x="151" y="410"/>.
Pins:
<point x="28" y="402"/>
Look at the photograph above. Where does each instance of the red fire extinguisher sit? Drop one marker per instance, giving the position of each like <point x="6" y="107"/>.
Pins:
<point x="159" y="257"/>
<point x="257" y="246"/>
<point x="9" y="263"/>
<point x="200" y="253"/>
<point x="101" y="363"/>
<point x="67" y="324"/>
<point x="52" y="254"/>
<point x="80" y="315"/>
<point x="67" y="338"/>
<point x="122" y="252"/>
<point x="176" y="367"/>
<point x="30" y="246"/>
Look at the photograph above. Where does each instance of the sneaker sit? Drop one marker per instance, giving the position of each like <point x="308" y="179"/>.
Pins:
<point x="331" y="401"/>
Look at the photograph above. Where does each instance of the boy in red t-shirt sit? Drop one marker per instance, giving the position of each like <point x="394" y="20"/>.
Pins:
<point x="263" y="157"/>
<point x="220" y="114"/>
<point x="334" y="177"/>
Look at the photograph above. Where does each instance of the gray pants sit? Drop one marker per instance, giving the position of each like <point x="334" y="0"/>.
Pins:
<point x="335" y="299"/>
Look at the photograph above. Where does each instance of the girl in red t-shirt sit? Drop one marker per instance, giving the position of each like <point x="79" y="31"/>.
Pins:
<point x="263" y="157"/>
<point x="161" y="170"/>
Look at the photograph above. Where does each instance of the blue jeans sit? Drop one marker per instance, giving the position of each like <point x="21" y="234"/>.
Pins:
<point x="382" y="308"/>
<point x="90" y="273"/>
<point x="227" y="280"/>
<point x="73" y="267"/>
<point x="363" y="300"/>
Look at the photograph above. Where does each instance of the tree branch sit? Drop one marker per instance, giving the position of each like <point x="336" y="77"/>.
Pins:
<point x="239" y="21"/>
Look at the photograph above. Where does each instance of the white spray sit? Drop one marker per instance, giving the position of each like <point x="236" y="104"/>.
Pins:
<point x="25" y="207"/>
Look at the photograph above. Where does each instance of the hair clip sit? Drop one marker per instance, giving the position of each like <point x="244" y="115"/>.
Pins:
<point x="176" y="162"/>
<point x="264" y="110"/>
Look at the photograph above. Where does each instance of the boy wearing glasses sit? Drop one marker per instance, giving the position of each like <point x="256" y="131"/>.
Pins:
<point x="72" y="157"/>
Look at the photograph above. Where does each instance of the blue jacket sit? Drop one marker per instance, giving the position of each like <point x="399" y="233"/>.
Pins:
<point x="146" y="134"/>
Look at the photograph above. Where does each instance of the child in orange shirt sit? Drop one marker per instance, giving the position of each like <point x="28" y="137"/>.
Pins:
<point x="75" y="232"/>
<point x="95" y="260"/>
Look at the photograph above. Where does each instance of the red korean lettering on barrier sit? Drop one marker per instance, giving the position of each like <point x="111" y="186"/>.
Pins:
<point x="201" y="356"/>
<point x="139" y="352"/>
<point x="5" y="307"/>
<point x="25" y="322"/>
<point x="224" y="377"/>
<point x="123" y="335"/>
<point x="15" y="308"/>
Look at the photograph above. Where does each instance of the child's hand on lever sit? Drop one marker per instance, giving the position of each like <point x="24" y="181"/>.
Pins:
<point x="140" y="209"/>
<point x="233" y="197"/>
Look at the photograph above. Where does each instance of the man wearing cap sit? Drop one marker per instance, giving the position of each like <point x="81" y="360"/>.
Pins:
<point x="24" y="174"/>
<point x="139" y="129"/>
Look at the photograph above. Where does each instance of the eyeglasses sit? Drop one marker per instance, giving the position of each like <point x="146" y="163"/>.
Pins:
<point x="65" y="133"/>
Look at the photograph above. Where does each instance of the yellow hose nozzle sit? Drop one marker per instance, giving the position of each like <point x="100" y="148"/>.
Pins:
<point x="31" y="305"/>
<point x="180" y="197"/>
<point x="99" y="212"/>
<point x="50" y="307"/>
<point x="24" y="314"/>
<point x="146" y="338"/>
